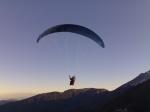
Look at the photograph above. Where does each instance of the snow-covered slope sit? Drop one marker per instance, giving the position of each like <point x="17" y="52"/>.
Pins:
<point x="138" y="80"/>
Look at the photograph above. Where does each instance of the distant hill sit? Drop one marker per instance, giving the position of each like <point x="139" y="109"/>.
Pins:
<point x="136" y="91"/>
<point x="134" y="96"/>
<point x="137" y="80"/>
<point x="136" y="99"/>
<point x="54" y="96"/>
<point x="67" y="101"/>
<point x="143" y="77"/>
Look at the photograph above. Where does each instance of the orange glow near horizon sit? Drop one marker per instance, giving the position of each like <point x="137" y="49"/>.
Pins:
<point x="18" y="93"/>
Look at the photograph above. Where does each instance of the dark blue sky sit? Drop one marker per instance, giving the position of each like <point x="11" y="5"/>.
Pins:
<point x="28" y="67"/>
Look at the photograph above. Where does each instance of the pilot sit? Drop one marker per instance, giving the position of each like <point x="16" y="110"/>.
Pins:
<point x="72" y="80"/>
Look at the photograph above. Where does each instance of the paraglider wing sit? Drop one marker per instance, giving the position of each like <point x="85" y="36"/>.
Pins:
<point x="73" y="29"/>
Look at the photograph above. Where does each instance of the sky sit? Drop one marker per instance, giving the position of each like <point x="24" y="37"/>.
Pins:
<point x="28" y="68"/>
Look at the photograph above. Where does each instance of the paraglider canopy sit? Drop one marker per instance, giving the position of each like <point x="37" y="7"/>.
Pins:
<point x="73" y="29"/>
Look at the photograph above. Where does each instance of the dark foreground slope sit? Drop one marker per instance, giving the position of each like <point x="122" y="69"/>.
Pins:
<point x="2" y="102"/>
<point x="136" y="99"/>
<point x="68" y="101"/>
<point x="134" y="96"/>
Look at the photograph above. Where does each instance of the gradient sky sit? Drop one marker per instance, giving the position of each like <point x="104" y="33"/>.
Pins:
<point x="29" y="68"/>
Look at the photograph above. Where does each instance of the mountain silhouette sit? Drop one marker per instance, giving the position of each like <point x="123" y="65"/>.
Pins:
<point x="137" y="80"/>
<point x="66" y="101"/>
<point x="136" y="99"/>
<point x="2" y="102"/>
<point x="133" y="96"/>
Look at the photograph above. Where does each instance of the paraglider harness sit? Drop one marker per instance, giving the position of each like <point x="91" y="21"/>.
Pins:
<point x="72" y="80"/>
